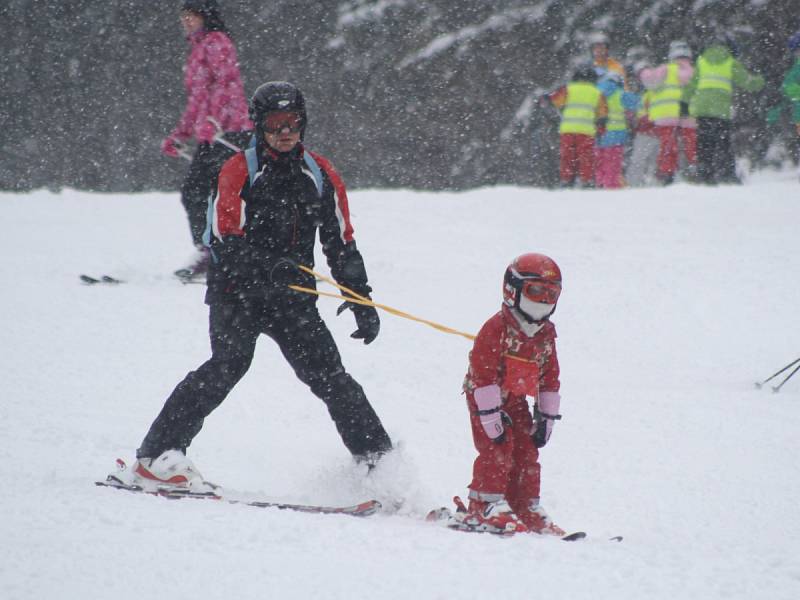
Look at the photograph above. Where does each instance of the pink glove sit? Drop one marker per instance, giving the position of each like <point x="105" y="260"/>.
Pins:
<point x="205" y="133"/>
<point x="169" y="147"/>
<point x="545" y="414"/>
<point x="488" y="400"/>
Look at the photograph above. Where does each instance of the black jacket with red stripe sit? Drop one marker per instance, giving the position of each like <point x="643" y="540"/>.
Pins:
<point x="254" y="226"/>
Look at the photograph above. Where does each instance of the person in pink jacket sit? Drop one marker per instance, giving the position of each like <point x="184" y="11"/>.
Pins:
<point x="215" y="117"/>
<point x="669" y="113"/>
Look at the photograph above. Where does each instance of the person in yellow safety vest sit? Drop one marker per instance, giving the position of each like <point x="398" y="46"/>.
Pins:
<point x="579" y="102"/>
<point x="669" y="113"/>
<point x="710" y="99"/>
<point x="610" y="145"/>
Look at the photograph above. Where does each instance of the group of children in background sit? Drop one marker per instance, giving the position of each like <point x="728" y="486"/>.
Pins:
<point x="681" y="104"/>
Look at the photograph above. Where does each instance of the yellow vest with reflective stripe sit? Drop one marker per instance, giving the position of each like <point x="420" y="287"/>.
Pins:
<point x="616" y="113"/>
<point x="666" y="100"/>
<point x="579" y="113"/>
<point x="715" y="76"/>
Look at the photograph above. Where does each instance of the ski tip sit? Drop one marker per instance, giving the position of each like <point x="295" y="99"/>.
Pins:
<point x="369" y="505"/>
<point x="574" y="537"/>
<point x="616" y="538"/>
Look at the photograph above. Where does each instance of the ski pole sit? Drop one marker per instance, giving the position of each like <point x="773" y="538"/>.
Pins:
<point x="219" y="136"/>
<point x="778" y="387"/>
<point x="759" y="384"/>
<point x="183" y="151"/>
<point x="358" y="299"/>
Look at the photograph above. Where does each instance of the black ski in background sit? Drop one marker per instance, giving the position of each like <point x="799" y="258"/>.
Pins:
<point x="104" y="279"/>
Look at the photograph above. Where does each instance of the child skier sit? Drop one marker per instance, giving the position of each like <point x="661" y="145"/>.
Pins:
<point x="514" y="358"/>
<point x="580" y="103"/>
<point x="610" y="145"/>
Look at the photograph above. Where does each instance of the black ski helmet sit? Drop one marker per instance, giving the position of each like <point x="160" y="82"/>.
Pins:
<point x="585" y="73"/>
<point x="209" y="10"/>
<point x="277" y="96"/>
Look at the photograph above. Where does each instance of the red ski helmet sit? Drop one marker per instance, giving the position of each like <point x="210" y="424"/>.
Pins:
<point x="535" y="276"/>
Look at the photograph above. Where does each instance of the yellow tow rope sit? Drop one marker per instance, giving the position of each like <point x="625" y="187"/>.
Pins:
<point x="358" y="299"/>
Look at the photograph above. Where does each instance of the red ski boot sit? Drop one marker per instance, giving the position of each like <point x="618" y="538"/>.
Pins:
<point x="493" y="517"/>
<point x="537" y="520"/>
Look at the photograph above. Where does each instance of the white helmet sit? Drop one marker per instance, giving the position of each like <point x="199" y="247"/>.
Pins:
<point x="679" y="49"/>
<point x="597" y="37"/>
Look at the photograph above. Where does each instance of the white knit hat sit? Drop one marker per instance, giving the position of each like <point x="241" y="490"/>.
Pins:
<point x="679" y="49"/>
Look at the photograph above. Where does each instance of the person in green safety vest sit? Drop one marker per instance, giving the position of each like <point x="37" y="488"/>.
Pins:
<point x="579" y="101"/>
<point x="710" y="99"/>
<point x="668" y="112"/>
<point x="791" y="83"/>
<point x="791" y="92"/>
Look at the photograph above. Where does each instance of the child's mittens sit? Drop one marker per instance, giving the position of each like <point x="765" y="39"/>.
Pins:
<point x="545" y="415"/>
<point x="488" y="400"/>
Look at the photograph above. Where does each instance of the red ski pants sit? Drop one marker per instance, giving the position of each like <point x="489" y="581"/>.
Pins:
<point x="669" y="138"/>
<point x="577" y="157"/>
<point x="609" y="167"/>
<point x="510" y="468"/>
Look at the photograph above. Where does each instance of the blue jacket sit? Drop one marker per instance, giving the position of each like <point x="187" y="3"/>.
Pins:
<point x="630" y="101"/>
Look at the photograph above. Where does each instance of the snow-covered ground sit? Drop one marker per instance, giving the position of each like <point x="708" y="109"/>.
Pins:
<point x="675" y="301"/>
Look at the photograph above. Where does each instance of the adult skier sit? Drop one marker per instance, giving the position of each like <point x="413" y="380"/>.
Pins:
<point x="710" y="99"/>
<point x="272" y="200"/>
<point x="214" y="98"/>
<point x="512" y="361"/>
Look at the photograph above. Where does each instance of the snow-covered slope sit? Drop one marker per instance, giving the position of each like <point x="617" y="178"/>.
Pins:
<point x="675" y="301"/>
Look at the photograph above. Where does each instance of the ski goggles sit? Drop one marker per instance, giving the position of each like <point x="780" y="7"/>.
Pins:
<point x="279" y="121"/>
<point x="539" y="291"/>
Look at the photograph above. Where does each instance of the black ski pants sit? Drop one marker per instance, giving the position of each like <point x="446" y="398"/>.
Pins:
<point x="201" y="180"/>
<point x="307" y="345"/>
<point x="715" y="160"/>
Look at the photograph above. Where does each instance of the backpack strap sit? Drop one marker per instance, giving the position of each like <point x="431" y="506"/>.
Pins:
<point x="315" y="170"/>
<point x="252" y="166"/>
<point x="252" y="161"/>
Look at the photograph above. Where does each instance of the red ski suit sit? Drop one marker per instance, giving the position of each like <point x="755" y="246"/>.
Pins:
<point x="522" y="366"/>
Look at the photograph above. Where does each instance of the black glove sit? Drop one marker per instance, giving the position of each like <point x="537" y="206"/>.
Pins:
<point x="367" y="321"/>
<point x="684" y="109"/>
<point x="544" y="426"/>
<point x="284" y="272"/>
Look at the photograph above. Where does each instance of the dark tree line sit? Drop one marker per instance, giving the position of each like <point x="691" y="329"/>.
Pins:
<point x="433" y="94"/>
